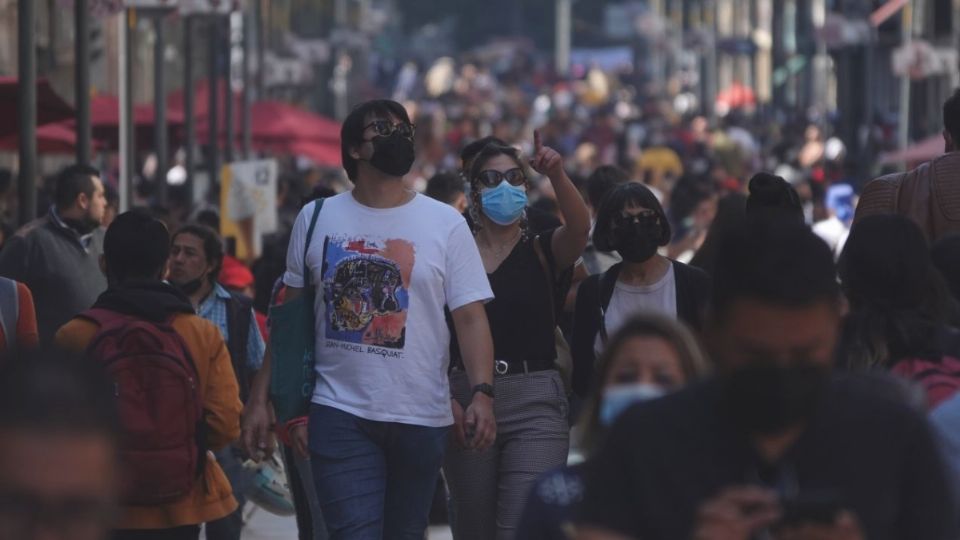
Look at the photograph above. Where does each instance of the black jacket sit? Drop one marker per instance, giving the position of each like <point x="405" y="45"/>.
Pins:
<point x="593" y="297"/>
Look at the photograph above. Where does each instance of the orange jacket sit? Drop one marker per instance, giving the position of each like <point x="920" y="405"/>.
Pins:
<point x="212" y="497"/>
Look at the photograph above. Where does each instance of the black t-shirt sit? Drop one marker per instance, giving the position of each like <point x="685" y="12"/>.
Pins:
<point x="872" y="453"/>
<point x="520" y="318"/>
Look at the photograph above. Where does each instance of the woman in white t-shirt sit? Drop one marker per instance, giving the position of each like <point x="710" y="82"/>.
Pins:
<point x="632" y="223"/>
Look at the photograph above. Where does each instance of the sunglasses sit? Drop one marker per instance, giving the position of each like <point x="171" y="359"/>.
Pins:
<point x="648" y="217"/>
<point x="385" y="128"/>
<point x="491" y="178"/>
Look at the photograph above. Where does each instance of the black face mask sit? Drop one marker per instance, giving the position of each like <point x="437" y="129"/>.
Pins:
<point x="766" y="399"/>
<point x="393" y="155"/>
<point x="637" y="242"/>
<point x="190" y="287"/>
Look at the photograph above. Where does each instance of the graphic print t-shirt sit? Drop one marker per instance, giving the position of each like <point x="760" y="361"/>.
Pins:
<point x="382" y="278"/>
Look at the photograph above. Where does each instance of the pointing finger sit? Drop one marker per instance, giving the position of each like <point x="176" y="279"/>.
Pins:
<point x="537" y="143"/>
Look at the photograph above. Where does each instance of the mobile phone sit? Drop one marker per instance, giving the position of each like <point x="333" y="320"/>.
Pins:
<point x="818" y="509"/>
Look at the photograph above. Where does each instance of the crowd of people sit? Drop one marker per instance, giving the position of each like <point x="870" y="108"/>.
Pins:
<point x="613" y="326"/>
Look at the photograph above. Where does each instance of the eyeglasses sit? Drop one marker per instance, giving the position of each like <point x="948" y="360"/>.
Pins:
<point x="491" y="178"/>
<point x="645" y="217"/>
<point x="385" y="128"/>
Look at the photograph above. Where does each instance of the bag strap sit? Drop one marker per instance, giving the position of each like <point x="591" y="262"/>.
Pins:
<point x="238" y="329"/>
<point x="318" y="205"/>
<point x="9" y="310"/>
<point x="541" y="256"/>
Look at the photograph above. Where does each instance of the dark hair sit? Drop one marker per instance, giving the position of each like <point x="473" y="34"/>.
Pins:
<point x="946" y="257"/>
<point x="615" y="202"/>
<point x="782" y="264"/>
<point x="687" y="194"/>
<point x="897" y="297"/>
<point x="731" y="213"/>
<point x="351" y="133"/>
<point x="951" y="116"/>
<point x="602" y="181"/>
<point x="773" y="199"/>
<point x="209" y="217"/>
<point x="71" y="182"/>
<point x="693" y="363"/>
<point x="445" y="187"/>
<point x="318" y="192"/>
<point x="471" y="150"/>
<point x="51" y="392"/>
<point x="136" y="246"/>
<point x="212" y="245"/>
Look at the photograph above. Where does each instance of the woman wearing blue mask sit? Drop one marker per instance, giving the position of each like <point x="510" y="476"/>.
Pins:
<point x="527" y="273"/>
<point x="649" y="357"/>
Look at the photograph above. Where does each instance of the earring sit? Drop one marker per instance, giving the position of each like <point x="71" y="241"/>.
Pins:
<point x="524" y="226"/>
<point x="475" y="223"/>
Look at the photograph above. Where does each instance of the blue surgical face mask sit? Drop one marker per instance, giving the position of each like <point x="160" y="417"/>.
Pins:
<point x="504" y="204"/>
<point x="620" y="397"/>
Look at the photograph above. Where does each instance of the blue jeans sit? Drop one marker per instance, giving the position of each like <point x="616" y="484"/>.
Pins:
<point x="375" y="480"/>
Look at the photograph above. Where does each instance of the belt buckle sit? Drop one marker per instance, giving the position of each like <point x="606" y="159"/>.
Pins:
<point x="501" y="367"/>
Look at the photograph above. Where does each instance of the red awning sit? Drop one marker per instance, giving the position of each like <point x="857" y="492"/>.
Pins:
<point x="59" y="138"/>
<point x="321" y="153"/>
<point x="275" y="121"/>
<point x="50" y="107"/>
<point x="105" y="121"/>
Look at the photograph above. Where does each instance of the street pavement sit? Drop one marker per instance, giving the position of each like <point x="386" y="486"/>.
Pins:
<point x="263" y="525"/>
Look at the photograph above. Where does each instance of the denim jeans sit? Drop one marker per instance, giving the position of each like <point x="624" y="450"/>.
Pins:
<point x="374" y="479"/>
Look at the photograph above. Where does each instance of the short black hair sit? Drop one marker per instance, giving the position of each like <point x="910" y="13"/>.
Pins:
<point x="783" y="264"/>
<point x="773" y="199"/>
<point x="136" y="246"/>
<point x="615" y="202"/>
<point x="951" y="116"/>
<point x="351" y="133"/>
<point x="209" y="217"/>
<point x="212" y="245"/>
<point x="602" y="181"/>
<point x="471" y="150"/>
<point x="445" y="187"/>
<point x="71" y="182"/>
<point x="53" y="392"/>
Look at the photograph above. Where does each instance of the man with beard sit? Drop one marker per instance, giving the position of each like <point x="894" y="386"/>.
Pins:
<point x="773" y="446"/>
<point x="57" y="256"/>
<point x="196" y="257"/>
<point x="384" y="262"/>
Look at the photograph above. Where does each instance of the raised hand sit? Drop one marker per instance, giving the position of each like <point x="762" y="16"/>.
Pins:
<point x="546" y="160"/>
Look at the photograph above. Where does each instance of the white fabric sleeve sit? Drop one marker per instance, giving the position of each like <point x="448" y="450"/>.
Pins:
<point x="293" y="277"/>
<point x="466" y="280"/>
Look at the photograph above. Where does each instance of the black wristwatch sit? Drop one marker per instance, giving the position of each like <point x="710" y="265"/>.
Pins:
<point x="484" y="388"/>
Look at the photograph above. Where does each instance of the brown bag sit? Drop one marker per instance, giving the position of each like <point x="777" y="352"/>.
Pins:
<point x="929" y="195"/>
